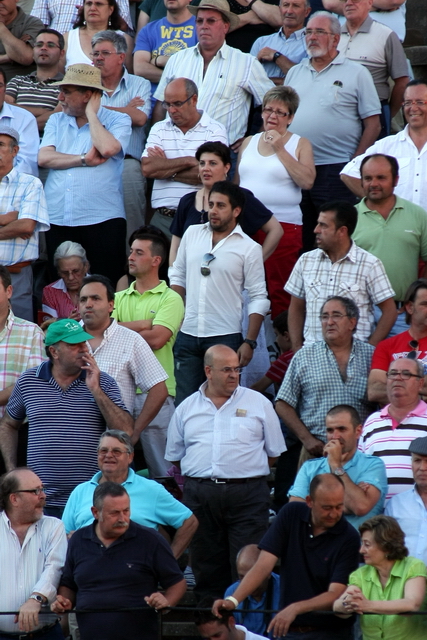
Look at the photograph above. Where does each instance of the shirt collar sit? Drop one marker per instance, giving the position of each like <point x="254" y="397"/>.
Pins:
<point x="11" y="176"/>
<point x="365" y="27"/>
<point x="420" y="411"/>
<point x="339" y="59"/>
<point x="162" y="286"/>
<point x="44" y="371"/>
<point x="296" y="35"/>
<point x="350" y="255"/>
<point x="399" y="204"/>
<point x="222" y="51"/>
<point x="7" y="111"/>
<point x="60" y="285"/>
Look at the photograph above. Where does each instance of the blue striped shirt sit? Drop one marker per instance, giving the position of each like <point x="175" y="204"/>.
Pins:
<point x="64" y="427"/>
<point x="131" y="86"/>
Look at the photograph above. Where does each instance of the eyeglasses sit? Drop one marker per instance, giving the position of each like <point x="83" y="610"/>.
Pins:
<point x="207" y="259"/>
<point x="229" y="369"/>
<point x="49" y="45"/>
<point x="177" y="105"/>
<point x="36" y="492"/>
<point x="417" y="103"/>
<point x="280" y="114"/>
<point x="405" y="374"/>
<point x="325" y="317"/>
<point x="317" y="32"/>
<point x="211" y="21"/>
<point x="104" y="54"/>
<point x="103" y="451"/>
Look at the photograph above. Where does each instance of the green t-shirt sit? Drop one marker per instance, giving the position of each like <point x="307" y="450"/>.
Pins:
<point x="161" y="305"/>
<point x="389" y="627"/>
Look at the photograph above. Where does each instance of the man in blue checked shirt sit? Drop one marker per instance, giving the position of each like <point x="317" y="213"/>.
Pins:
<point x="23" y="215"/>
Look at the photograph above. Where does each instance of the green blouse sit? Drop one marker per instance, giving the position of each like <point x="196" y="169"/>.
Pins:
<point x="391" y="627"/>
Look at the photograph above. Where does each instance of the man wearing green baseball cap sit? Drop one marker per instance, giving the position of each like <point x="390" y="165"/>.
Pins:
<point x="69" y="402"/>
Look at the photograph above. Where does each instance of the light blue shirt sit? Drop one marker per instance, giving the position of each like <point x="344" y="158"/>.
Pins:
<point x="129" y="87"/>
<point x="293" y="48"/>
<point x="82" y="196"/>
<point x="361" y="468"/>
<point x="150" y="504"/>
<point x="411" y="513"/>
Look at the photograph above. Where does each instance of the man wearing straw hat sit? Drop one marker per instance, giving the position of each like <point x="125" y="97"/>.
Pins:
<point x="84" y="148"/>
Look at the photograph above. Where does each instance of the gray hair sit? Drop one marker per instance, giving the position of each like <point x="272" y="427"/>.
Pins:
<point x="105" y="489"/>
<point x="121" y="436"/>
<point x="69" y="249"/>
<point x="117" y="40"/>
<point x="351" y="308"/>
<point x="333" y="21"/>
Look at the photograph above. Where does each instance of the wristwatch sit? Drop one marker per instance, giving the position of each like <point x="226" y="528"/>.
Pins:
<point x="35" y="596"/>
<point x="276" y="55"/>
<point x="251" y="343"/>
<point x="339" y="471"/>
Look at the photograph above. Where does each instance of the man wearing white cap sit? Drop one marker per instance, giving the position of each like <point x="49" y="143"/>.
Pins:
<point x="23" y="216"/>
<point x="84" y="148"/>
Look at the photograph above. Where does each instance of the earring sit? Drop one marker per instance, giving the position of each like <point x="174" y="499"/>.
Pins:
<point x="84" y="23"/>
<point x="109" y="23"/>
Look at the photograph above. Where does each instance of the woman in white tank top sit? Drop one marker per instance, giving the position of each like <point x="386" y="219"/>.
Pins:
<point x="275" y="165"/>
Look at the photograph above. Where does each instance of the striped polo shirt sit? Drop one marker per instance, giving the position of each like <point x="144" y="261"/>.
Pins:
<point x="29" y="91"/>
<point x="64" y="428"/>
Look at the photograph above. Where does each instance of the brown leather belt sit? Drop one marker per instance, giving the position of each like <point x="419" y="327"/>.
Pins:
<point x="18" y="266"/>
<point x="164" y="211"/>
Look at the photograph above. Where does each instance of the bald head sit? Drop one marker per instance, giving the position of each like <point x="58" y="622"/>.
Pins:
<point x="326" y="482"/>
<point x="246" y="558"/>
<point x="222" y="370"/>
<point x="181" y="103"/>
<point x="218" y="351"/>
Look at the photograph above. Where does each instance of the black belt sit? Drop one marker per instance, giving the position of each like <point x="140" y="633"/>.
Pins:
<point x="164" y="211"/>
<point x="226" y="480"/>
<point x="28" y="636"/>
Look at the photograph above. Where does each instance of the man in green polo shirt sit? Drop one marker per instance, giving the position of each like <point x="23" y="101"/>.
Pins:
<point x="152" y="309"/>
<point x="391" y="228"/>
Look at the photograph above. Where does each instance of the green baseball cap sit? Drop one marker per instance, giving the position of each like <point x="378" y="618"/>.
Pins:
<point x="66" y="330"/>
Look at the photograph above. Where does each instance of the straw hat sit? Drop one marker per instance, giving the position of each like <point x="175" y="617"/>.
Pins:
<point x="217" y="5"/>
<point x="82" y="75"/>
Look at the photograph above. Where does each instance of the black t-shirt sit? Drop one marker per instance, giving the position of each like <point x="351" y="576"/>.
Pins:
<point x="253" y="217"/>
<point x="310" y="564"/>
<point x="116" y="577"/>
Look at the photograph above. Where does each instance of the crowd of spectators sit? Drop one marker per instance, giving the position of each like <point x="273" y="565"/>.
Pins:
<point x="213" y="255"/>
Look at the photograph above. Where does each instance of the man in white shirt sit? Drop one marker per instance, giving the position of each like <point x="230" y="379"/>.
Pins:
<point x="225" y="437"/>
<point x="215" y="262"/>
<point x="32" y="555"/>
<point x="410" y="507"/>
<point x="409" y="147"/>
<point x="121" y="353"/>
<point x="170" y="154"/>
<point x="227" y="78"/>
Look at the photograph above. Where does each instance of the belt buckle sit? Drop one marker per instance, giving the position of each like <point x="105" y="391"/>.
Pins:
<point x="219" y="481"/>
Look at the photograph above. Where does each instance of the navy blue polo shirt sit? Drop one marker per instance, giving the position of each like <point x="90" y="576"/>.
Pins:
<point x="309" y="564"/>
<point x="64" y="427"/>
<point x="116" y="576"/>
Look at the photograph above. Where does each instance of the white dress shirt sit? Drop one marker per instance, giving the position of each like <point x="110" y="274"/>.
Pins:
<point x="234" y="441"/>
<point x="214" y="302"/>
<point x="35" y="566"/>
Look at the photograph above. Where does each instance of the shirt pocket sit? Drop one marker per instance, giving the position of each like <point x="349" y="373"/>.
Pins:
<point x="245" y="429"/>
<point x="314" y="290"/>
<point x="351" y="290"/>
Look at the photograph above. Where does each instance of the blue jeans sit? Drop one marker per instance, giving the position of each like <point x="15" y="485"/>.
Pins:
<point x="189" y="352"/>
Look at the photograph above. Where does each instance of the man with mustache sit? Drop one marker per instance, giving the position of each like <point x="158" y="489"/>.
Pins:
<point x="115" y="563"/>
